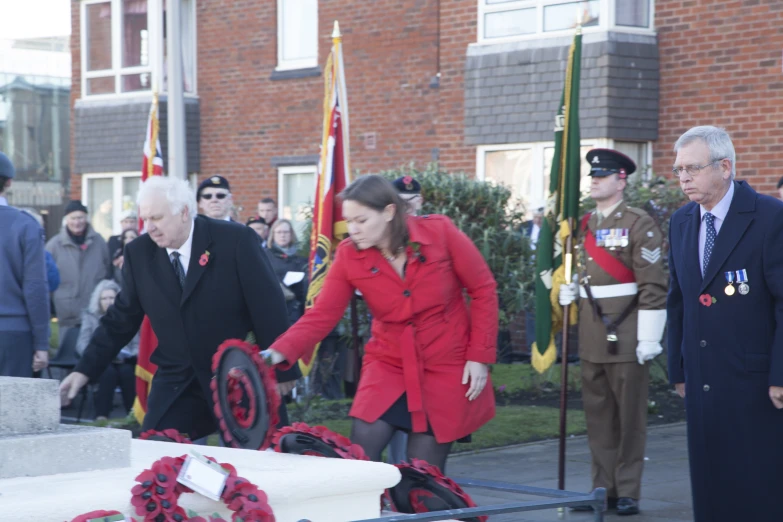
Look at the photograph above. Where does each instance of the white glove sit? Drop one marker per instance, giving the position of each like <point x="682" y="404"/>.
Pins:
<point x="568" y="293"/>
<point x="649" y="332"/>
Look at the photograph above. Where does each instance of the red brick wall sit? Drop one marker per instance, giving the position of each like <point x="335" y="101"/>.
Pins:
<point x="721" y="65"/>
<point x="390" y="55"/>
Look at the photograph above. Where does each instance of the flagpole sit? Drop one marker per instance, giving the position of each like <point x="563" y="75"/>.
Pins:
<point x="568" y="259"/>
<point x="177" y="166"/>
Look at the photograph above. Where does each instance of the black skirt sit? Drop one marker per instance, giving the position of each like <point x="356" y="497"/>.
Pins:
<point x="398" y="416"/>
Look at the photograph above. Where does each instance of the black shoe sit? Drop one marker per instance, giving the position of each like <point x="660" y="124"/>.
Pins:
<point x="581" y="508"/>
<point x="627" y="506"/>
<point x="611" y="503"/>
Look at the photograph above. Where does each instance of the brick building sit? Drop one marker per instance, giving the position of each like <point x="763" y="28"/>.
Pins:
<point x="473" y="84"/>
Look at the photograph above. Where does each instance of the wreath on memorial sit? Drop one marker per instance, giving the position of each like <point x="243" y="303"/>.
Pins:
<point x="423" y="489"/>
<point x="318" y="441"/>
<point x="156" y="495"/>
<point x="170" y="435"/>
<point x="245" y="395"/>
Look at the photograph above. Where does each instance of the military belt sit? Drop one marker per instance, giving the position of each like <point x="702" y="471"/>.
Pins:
<point x="611" y="326"/>
<point x="604" y="291"/>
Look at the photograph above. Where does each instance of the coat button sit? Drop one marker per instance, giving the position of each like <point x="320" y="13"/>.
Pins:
<point x="407" y="293"/>
<point x="706" y="387"/>
<point x="703" y="344"/>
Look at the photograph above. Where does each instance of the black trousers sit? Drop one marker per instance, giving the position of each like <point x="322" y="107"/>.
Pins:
<point x="117" y="374"/>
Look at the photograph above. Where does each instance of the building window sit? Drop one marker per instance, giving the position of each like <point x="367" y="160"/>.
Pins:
<point x="107" y="196"/>
<point x="514" y="19"/>
<point x="295" y="195"/>
<point x="297" y="34"/>
<point x="123" y="46"/>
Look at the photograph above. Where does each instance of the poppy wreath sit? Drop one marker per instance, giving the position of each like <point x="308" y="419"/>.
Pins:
<point x="156" y="495"/>
<point x="242" y="400"/>
<point x="170" y="435"/>
<point x="422" y="481"/>
<point x="322" y="442"/>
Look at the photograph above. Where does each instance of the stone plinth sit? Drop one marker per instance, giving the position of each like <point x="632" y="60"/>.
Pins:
<point x="28" y="405"/>
<point x="69" y="449"/>
<point x="298" y="487"/>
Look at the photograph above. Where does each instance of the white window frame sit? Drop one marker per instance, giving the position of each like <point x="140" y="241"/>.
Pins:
<point x="282" y="172"/>
<point x="155" y="34"/>
<point x="538" y="159"/>
<point x="117" y="181"/>
<point x="289" y="65"/>
<point x="606" y="20"/>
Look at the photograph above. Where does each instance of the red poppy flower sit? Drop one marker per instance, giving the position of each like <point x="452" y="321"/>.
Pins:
<point x="203" y="260"/>
<point x="83" y="246"/>
<point x="705" y="299"/>
<point x="407" y="180"/>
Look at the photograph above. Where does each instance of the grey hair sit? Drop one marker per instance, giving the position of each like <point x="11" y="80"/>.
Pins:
<point x="95" y="299"/>
<point x="716" y="139"/>
<point x="177" y="192"/>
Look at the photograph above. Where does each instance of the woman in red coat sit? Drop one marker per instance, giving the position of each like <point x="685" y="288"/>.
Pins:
<point x="425" y="368"/>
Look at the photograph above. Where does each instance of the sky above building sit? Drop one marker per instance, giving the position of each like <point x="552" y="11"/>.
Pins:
<point x="34" y="18"/>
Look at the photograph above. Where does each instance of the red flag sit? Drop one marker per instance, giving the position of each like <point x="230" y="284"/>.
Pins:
<point x="333" y="176"/>
<point x="145" y="370"/>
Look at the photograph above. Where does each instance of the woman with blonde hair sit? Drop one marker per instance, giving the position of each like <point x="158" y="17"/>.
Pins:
<point x="122" y="371"/>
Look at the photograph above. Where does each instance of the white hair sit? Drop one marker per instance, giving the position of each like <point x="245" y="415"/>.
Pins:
<point x="176" y="191"/>
<point x="716" y="139"/>
<point x="95" y="299"/>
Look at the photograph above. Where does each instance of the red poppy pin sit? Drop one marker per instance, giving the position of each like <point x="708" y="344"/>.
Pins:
<point x="707" y="300"/>
<point x="204" y="259"/>
<point x="83" y="246"/>
<point x="408" y="182"/>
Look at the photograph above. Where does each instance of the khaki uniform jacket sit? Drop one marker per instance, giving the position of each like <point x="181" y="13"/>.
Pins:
<point x="644" y="256"/>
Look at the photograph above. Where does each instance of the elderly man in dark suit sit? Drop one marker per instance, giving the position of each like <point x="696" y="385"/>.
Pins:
<point x="200" y="281"/>
<point x="725" y="318"/>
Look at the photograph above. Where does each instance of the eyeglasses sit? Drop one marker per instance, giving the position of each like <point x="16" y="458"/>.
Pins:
<point x="693" y="170"/>
<point x="221" y="195"/>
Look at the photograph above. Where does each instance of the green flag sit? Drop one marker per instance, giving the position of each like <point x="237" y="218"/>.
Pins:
<point x="562" y="205"/>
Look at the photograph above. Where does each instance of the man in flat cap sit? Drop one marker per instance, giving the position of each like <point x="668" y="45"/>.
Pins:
<point x="622" y="314"/>
<point x="410" y="191"/>
<point x="214" y="198"/>
<point x="83" y="260"/>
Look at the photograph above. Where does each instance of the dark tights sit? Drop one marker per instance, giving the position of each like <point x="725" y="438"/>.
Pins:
<point x="375" y="436"/>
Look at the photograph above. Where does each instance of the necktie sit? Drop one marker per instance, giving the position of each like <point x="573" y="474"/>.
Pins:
<point x="178" y="270"/>
<point x="709" y="244"/>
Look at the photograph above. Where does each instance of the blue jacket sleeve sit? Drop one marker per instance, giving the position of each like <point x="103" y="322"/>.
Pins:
<point x="674" y="317"/>
<point x="52" y="273"/>
<point x="34" y="287"/>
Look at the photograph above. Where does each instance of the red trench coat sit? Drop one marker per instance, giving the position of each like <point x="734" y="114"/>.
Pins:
<point x="422" y="331"/>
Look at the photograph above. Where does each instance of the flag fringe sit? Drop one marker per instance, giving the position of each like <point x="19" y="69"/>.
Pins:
<point x="541" y="362"/>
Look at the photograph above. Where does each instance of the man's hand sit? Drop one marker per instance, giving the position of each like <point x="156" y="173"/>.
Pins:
<point x="568" y="293"/>
<point x="273" y="356"/>
<point x="70" y="387"/>
<point x="284" y="388"/>
<point x="118" y="262"/>
<point x="476" y="373"/>
<point x="40" y="360"/>
<point x="776" y="394"/>
<point x="647" y="350"/>
<point x="680" y="389"/>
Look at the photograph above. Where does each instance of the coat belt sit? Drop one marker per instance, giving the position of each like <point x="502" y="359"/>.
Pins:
<point x="604" y="291"/>
<point x="412" y="376"/>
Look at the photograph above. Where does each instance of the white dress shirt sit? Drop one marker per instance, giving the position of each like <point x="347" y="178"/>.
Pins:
<point x="184" y="250"/>
<point x="719" y="211"/>
<point x="3" y="202"/>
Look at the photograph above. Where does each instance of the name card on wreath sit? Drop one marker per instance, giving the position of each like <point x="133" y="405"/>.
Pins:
<point x="203" y="476"/>
<point x="112" y="518"/>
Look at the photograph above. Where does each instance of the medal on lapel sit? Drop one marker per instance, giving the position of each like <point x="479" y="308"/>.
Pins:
<point x="600" y="236"/>
<point x="742" y="279"/>
<point x="729" y="279"/>
<point x="624" y="238"/>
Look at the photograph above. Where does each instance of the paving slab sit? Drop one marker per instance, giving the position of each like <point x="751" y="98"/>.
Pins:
<point x="666" y="493"/>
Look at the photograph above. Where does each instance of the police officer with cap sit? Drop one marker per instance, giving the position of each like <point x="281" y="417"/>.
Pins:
<point x="410" y="191"/>
<point x="622" y="314"/>
<point x="214" y="198"/>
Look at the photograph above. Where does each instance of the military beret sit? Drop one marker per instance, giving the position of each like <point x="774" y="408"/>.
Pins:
<point x="6" y="167"/>
<point x="75" y="206"/>
<point x="213" y="182"/>
<point x="605" y="162"/>
<point x="407" y="185"/>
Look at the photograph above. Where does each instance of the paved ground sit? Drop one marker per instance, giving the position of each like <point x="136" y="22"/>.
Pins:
<point x="666" y="495"/>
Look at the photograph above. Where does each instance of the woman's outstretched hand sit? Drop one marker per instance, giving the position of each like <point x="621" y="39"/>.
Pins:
<point x="475" y="373"/>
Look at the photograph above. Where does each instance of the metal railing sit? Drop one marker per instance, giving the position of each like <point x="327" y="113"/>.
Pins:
<point x="558" y="499"/>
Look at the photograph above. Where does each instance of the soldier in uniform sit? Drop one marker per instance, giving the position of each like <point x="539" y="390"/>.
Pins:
<point x="621" y="321"/>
